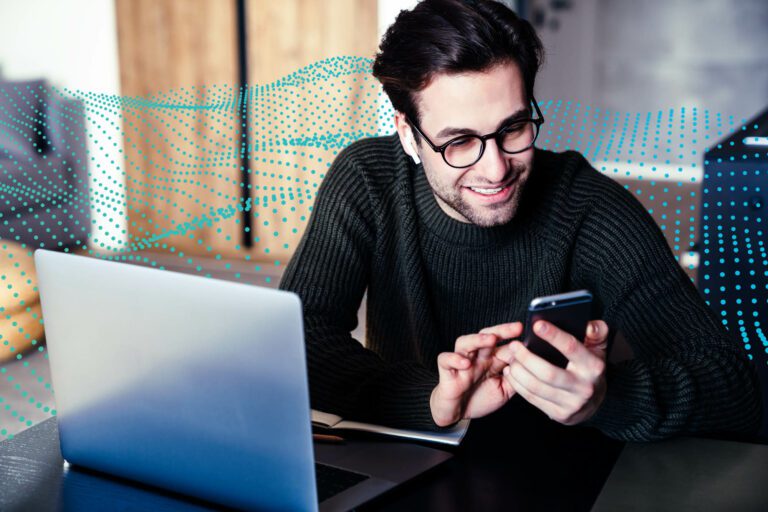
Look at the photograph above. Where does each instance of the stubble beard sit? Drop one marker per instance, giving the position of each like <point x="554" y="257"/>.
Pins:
<point x="491" y="215"/>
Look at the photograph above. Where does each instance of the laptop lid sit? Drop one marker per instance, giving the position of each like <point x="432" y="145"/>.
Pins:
<point x="183" y="382"/>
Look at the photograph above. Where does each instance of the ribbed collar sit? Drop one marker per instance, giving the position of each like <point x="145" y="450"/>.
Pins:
<point x="451" y="230"/>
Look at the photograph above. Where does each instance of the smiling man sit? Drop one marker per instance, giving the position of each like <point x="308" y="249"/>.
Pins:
<point x="489" y="196"/>
<point x="456" y="222"/>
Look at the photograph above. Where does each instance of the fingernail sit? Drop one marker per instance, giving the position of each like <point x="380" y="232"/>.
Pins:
<point x="594" y="328"/>
<point x="541" y="327"/>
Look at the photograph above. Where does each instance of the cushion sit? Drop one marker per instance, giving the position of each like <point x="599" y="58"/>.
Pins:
<point x="21" y="325"/>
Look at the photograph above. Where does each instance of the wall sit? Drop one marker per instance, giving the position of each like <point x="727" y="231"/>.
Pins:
<point x="73" y="44"/>
<point x="641" y="56"/>
<point x="655" y="58"/>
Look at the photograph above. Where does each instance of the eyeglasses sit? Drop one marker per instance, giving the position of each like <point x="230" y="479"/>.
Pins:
<point x="466" y="150"/>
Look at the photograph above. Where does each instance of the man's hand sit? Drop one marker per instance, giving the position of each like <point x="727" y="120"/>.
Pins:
<point x="471" y="384"/>
<point x="568" y="396"/>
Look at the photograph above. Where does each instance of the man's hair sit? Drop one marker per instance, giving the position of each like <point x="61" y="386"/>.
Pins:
<point x="452" y="36"/>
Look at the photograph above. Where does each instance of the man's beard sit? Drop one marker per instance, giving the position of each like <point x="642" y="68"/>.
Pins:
<point x="494" y="214"/>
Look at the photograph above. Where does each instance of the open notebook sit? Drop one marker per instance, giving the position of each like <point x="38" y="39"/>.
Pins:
<point x="452" y="436"/>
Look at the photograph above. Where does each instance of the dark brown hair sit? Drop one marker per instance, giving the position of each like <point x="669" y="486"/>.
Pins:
<point x="452" y="36"/>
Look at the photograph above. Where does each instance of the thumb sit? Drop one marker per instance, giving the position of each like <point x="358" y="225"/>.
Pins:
<point x="597" y="335"/>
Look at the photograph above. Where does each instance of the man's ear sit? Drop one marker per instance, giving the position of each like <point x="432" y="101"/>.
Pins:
<point x="405" y="132"/>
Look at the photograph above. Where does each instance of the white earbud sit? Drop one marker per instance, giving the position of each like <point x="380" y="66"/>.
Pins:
<point x="414" y="154"/>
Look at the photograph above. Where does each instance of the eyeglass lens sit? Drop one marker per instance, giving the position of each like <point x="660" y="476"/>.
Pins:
<point x="467" y="150"/>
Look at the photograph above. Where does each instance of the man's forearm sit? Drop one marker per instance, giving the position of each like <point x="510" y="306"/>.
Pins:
<point x="352" y="381"/>
<point x="654" y="400"/>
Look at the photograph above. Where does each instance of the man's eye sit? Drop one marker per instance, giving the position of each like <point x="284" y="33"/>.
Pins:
<point x="512" y="128"/>
<point x="460" y="142"/>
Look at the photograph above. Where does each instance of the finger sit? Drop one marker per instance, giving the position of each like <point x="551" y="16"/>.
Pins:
<point x="597" y="335"/>
<point x="469" y="344"/>
<point x="502" y="332"/>
<point x="520" y="374"/>
<point x="542" y="369"/>
<point x="503" y="356"/>
<point x="596" y="342"/>
<point x="551" y="409"/>
<point x="505" y="331"/>
<point x="501" y="359"/>
<point x="573" y="349"/>
<point x="452" y="361"/>
<point x="506" y="386"/>
<point x="506" y="352"/>
<point x="449" y="364"/>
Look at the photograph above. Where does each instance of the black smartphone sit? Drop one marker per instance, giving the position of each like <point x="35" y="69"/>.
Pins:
<point x="569" y="311"/>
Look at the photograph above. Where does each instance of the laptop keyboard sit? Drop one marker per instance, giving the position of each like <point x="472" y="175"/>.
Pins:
<point x="332" y="480"/>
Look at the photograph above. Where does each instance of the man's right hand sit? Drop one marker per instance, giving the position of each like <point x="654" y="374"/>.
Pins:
<point x="471" y="383"/>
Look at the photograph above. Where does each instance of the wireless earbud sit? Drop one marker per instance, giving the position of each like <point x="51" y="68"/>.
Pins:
<point x="414" y="154"/>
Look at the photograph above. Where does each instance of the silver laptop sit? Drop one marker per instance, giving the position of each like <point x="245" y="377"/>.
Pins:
<point x="198" y="386"/>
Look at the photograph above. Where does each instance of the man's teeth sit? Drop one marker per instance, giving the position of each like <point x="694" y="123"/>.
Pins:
<point x="487" y="191"/>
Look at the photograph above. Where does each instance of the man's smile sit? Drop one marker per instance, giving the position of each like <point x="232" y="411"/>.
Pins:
<point x="489" y="194"/>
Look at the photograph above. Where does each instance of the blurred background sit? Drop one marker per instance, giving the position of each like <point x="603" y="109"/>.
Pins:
<point x="191" y="135"/>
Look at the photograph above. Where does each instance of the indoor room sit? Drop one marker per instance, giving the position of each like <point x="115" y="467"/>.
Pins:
<point x="245" y="237"/>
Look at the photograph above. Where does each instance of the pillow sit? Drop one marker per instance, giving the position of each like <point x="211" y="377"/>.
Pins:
<point x="21" y="108"/>
<point x="20" y="313"/>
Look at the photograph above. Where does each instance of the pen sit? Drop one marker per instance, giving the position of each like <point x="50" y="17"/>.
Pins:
<point x="324" y="438"/>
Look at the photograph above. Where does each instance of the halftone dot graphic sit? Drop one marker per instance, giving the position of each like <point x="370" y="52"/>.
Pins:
<point x="159" y="180"/>
<point x="710" y="205"/>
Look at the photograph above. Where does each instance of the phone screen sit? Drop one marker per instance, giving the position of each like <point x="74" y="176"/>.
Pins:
<point x="570" y="312"/>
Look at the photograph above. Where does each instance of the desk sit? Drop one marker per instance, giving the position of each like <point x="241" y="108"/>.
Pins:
<point x="688" y="475"/>
<point x="500" y="466"/>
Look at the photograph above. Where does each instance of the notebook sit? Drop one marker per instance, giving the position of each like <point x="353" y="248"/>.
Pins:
<point x="451" y="436"/>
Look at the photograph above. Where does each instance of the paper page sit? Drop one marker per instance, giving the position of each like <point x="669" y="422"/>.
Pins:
<point x="324" y="419"/>
<point x="451" y="437"/>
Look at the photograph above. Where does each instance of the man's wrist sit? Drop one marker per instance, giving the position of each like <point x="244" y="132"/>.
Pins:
<point x="439" y="417"/>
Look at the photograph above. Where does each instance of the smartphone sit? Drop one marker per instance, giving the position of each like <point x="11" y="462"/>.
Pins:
<point x="570" y="312"/>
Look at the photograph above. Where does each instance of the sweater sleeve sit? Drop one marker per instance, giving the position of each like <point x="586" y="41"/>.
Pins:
<point x="330" y="272"/>
<point x="688" y="375"/>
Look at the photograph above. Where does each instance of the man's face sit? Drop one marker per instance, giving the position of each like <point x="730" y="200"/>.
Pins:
<point x="473" y="103"/>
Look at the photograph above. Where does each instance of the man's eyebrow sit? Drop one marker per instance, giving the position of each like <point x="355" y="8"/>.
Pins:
<point x="450" y="131"/>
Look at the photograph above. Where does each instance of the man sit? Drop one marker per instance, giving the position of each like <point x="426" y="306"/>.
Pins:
<point x="456" y="222"/>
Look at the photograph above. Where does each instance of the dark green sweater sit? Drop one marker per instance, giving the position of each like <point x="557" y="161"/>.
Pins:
<point x="429" y="278"/>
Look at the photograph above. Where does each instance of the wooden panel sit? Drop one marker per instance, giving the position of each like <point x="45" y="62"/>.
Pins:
<point x="303" y="112"/>
<point x="178" y="58"/>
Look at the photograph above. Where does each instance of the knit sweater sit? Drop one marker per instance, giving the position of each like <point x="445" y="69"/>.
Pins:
<point x="376" y="227"/>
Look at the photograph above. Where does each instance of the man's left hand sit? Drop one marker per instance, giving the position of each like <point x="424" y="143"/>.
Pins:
<point x="568" y="396"/>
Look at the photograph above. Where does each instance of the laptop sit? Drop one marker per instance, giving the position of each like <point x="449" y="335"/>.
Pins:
<point x="198" y="386"/>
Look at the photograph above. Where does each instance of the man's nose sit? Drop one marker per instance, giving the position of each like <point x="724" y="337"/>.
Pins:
<point x="493" y="164"/>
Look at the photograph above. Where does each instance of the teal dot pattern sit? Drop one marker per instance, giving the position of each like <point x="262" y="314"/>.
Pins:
<point x="165" y="173"/>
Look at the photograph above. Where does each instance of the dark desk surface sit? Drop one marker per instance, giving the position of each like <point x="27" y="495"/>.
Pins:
<point x="501" y="465"/>
<point x="688" y="475"/>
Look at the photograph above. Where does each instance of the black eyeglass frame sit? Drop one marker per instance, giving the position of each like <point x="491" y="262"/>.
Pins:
<point x="538" y="121"/>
